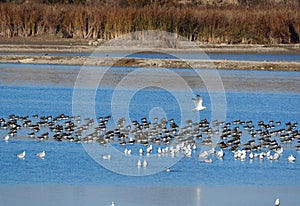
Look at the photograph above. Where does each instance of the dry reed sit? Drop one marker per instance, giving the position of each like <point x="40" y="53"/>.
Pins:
<point x="264" y="24"/>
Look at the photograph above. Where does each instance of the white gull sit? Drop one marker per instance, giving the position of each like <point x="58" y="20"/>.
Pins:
<point x="22" y="155"/>
<point x="198" y="103"/>
<point x="41" y="154"/>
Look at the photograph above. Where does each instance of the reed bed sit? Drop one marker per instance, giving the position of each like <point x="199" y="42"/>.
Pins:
<point x="257" y="24"/>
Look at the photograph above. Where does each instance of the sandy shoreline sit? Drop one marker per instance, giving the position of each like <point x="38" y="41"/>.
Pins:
<point x="53" y="44"/>
<point x="142" y="62"/>
<point x="72" y="46"/>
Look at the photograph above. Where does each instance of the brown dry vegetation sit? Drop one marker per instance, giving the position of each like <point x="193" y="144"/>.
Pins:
<point x="264" y="24"/>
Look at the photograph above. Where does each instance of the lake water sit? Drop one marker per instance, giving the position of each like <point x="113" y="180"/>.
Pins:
<point x="212" y="56"/>
<point x="69" y="176"/>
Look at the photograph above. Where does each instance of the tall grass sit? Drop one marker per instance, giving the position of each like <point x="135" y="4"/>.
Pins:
<point x="264" y="24"/>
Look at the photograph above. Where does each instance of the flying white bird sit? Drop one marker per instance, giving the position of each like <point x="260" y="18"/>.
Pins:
<point x="198" y="103"/>
<point x="277" y="202"/>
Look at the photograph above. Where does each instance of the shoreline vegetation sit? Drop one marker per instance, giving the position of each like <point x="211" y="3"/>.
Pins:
<point x="235" y="22"/>
<point x="232" y="26"/>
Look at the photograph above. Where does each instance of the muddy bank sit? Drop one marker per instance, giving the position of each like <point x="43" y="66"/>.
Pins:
<point x="54" y="45"/>
<point x="145" y="62"/>
<point x="9" y="49"/>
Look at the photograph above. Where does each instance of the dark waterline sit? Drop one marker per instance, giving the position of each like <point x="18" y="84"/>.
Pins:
<point x="214" y="56"/>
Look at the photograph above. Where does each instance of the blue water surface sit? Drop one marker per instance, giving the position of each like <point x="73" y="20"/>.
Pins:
<point x="68" y="163"/>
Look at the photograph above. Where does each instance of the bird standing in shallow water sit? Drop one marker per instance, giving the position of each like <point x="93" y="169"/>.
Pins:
<point x="291" y="158"/>
<point x="106" y="157"/>
<point x="6" y="138"/>
<point x="139" y="163"/>
<point x="145" y="163"/>
<point x="22" y="155"/>
<point x="198" y="103"/>
<point x="41" y="154"/>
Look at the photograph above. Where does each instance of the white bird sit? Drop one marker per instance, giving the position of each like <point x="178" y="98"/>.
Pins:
<point x="149" y="149"/>
<point x="277" y="202"/>
<point x="203" y="155"/>
<point x="198" y="103"/>
<point x="106" y="157"/>
<point x="159" y="150"/>
<point x="211" y="151"/>
<point x="261" y="156"/>
<point x="220" y="154"/>
<point x="22" y="155"/>
<point x="188" y="153"/>
<point x="276" y="156"/>
<point x="6" y="138"/>
<point x="41" y="154"/>
<point x="127" y="151"/>
<point x="165" y="150"/>
<point x="243" y="155"/>
<point x="236" y="154"/>
<point x="280" y="150"/>
<point x="208" y="160"/>
<point x="141" y="151"/>
<point x="112" y="203"/>
<point x="270" y="157"/>
<point x="145" y="163"/>
<point x="291" y="158"/>
<point x="251" y="155"/>
<point x="139" y="163"/>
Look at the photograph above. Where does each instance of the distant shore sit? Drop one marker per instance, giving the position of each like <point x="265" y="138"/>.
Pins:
<point x="43" y="47"/>
<point x="52" y="44"/>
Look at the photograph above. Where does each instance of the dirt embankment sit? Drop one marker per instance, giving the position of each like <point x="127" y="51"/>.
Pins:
<point x="38" y="53"/>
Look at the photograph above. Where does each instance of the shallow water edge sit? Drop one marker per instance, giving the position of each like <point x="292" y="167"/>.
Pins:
<point x="48" y="195"/>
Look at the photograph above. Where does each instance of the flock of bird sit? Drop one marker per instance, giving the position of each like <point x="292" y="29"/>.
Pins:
<point x="263" y="140"/>
<point x="41" y="155"/>
<point x="245" y="139"/>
